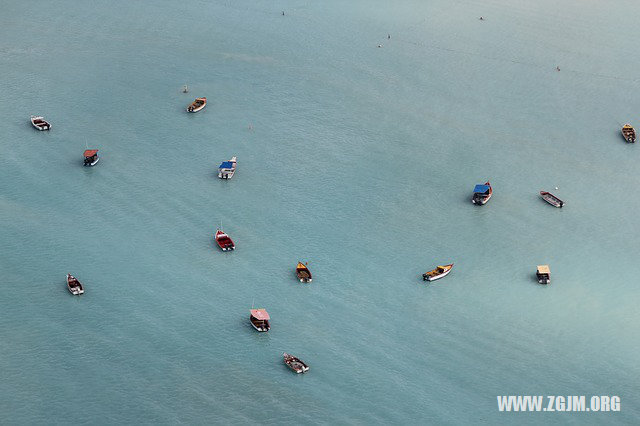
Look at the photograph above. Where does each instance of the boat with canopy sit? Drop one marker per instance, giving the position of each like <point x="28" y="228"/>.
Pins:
<point x="303" y="273"/>
<point x="260" y="319"/>
<point x="91" y="157"/>
<point x="629" y="133"/>
<point x="544" y="274"/>
<point x="482" y="194"/>
<point x="227" y="169"/>
<point x="224" y="241"/>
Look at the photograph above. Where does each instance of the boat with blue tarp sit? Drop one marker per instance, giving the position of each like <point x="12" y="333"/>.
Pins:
<point x="482" y="194"/>
<point x="227" y="169"/>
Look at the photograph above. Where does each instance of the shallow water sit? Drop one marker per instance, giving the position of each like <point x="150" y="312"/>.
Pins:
<point x="360" y="160"/>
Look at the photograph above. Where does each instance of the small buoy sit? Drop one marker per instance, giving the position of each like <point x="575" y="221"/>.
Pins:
<point x="556" y="187"/>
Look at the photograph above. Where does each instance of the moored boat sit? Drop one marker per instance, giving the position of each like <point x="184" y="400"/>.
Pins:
<point x="260" y="319"/>
<point x="544" y="274"/>
<point x="197" y="105"/>
<point x="482" y="194"/>
<point x="551" y="199"/>
<point x="439" y="272"/>
<point x="295" y="363"/>
<point x="227" y="169"/>
<point x="224" y="241"/>
<point x="303" y="273"/>
<point x="40" y="123"/>
<point x="91" y="157"/>
<point x="74" y="286"/>
<point x="629" y="133"/>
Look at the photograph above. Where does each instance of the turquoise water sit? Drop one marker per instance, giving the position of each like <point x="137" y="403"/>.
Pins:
<point x="360" y="160"/>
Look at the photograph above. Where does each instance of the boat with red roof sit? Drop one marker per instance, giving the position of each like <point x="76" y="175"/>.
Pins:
<point x="260" y="319"/>
<point x="224" y="241"/>
<point x="91" y="157"/>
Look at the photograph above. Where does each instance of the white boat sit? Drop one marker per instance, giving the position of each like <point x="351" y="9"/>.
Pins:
<point x="40" y="123"/>
<point x="227" y="169"/>
<point x="260" y="319"/>
<point x="74" y="286"/>
<point x="439" y="272"/>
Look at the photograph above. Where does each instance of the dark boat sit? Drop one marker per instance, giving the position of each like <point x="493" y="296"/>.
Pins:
<point x="544" y="274"/>
<point x="295" y="363"/>
<point x="482" y="194"/>
<point x="629" y="133"/>
<point x="303" y="273"/>
<point x="224" y="241"/>
<point x="91" y="157"/>
<point x="551" y="199"/>
<point x="74" y="286"/>
<point x="260" y="319"/>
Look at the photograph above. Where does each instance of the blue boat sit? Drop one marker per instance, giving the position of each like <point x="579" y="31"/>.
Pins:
<point x="482" y="194"/>
<point x="227" y="169"/>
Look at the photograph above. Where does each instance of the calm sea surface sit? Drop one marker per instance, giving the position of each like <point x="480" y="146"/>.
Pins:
<point x="358" y="159"/>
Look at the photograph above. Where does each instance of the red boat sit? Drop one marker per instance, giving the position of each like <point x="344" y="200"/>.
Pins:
<point x="224" y="241"/>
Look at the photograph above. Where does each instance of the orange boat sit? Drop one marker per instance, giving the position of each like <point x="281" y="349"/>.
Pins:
<point x="303" y="273"/>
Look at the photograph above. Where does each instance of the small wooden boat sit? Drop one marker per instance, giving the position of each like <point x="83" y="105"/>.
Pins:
<point x="224" y="241"/>
<point x="303" y="272"/>
<point x="482" y="194"/>
<point x="74" y="286"/>
<point x="260" y="319"/>
<point x="544" y="274"/>
<point x="91" y="157"/>
<point x="439" y="272"/>
<point x="629" y="133"/>
<point x="197" y="105"/>
<point x="40" y="123"/>
<point x="227" y="169"/>
<point x="295" y="363"/>
<point x="551" y="199"/>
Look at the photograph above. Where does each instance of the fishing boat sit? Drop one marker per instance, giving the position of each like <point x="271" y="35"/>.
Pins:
<point x="197" y="105"/>
<point x="629" y="133"/>
<point x="40" y="123"/>
<point x="227" y="169"/>
<point x="303" y="273"/>
<point x="224" y="241"/>
<point x="551" y="199"/>
<point x="260" y="319"/>
<point x="482" y="194"/>
<point x="91" y="157"/>
<point x="74" y="286"/>
<point x="544" y="274"/>
<point x="439" y="272"/>
<point x="295" y="363"/>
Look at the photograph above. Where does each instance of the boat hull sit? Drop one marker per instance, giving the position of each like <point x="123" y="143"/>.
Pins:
<point x="427" y="277"/>
<point x="92" y="163"/>
<point x="43" y="125"/>
<point x="551" y="199"/>
<point x="76" y="290"/>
